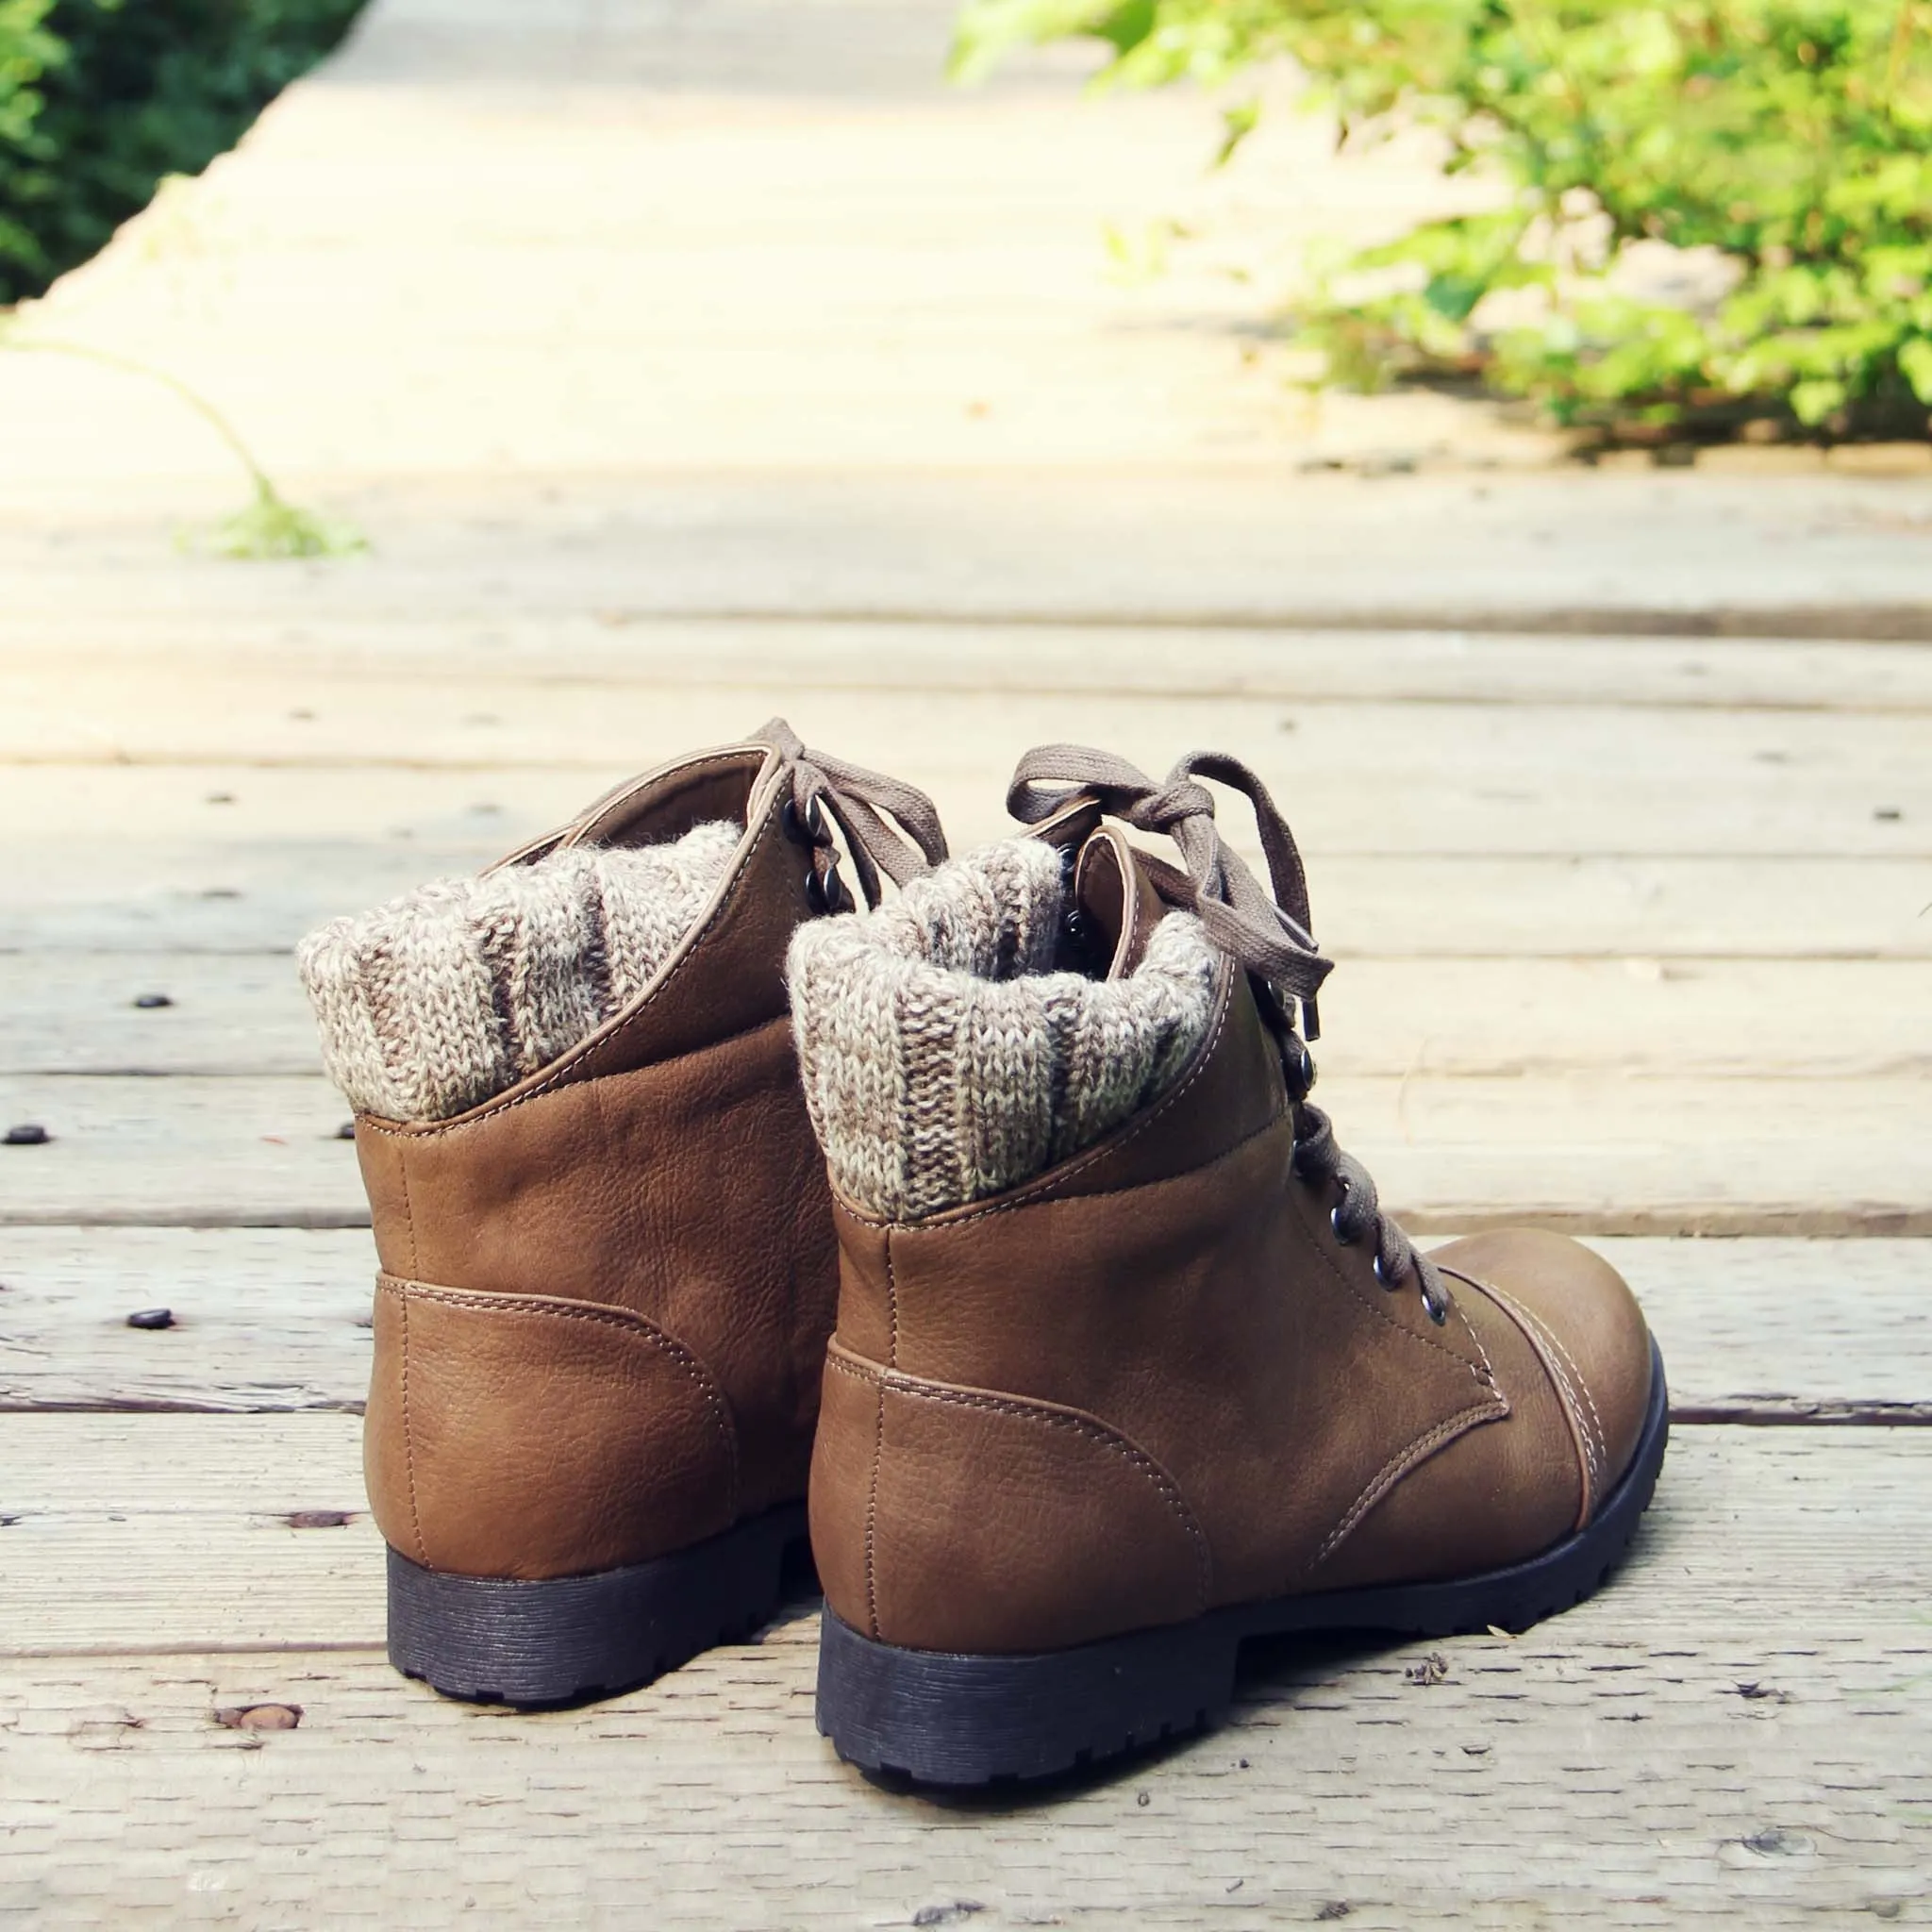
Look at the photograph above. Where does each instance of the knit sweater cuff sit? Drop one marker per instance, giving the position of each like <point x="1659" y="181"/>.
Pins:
<point x="944" y="1060"/>
<point x="444" y="998"/>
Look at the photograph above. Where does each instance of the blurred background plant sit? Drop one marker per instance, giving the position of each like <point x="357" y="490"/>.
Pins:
<point x="1782" y="147"/>
<point x="101" y="99"/>
<point x="100" y="102"/>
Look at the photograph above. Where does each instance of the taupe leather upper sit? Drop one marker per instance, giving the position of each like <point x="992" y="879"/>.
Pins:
<point x="601" y="1321"/>
<point x="1154" y="1381"/>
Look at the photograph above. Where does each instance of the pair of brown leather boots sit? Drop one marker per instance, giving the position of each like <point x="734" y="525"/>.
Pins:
<point x="1095" y="1358"/>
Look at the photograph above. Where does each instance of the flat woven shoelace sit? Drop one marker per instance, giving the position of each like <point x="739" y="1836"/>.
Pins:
<point x="860" y="803"/>
<point x="1271" y="935"/>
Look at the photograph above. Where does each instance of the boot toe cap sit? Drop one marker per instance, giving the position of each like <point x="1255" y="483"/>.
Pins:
<point x="1583" y="1320"/>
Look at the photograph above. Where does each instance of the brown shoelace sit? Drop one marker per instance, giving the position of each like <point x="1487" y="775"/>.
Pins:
<point x="860" y="803"/>
<point x="1269" y="934"/>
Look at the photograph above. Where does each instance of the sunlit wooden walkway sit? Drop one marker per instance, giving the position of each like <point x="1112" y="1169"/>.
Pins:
<point x="687" y="363"/>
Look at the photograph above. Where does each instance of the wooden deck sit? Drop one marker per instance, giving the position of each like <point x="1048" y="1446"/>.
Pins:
<point x="1634" y="931"/>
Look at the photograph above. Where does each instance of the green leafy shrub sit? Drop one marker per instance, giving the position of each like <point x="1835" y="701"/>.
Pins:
<point x="1789" y="139"/>
<point x="99" y="99"/>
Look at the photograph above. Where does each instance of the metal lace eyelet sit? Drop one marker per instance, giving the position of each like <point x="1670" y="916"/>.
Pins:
<point x="1297" y="1067"/>
<point x="1386" y="1280"/>
<point x="1439" y="1311"/>
<point x="1334" y="1226"/>
<point x="806" y="828"/>
<point x="815" y="894"/>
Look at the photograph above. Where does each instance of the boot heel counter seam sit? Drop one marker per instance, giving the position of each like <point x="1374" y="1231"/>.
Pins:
<point x="408" y="1213"/>
<point x="487" y="1301"/>
<point x="408" y="1438"/>
<point x="878" y="1448"/>
<point x="872" y="1515"/>
<point x="403" y="1309"/>
<point x="1089" y="1428"/>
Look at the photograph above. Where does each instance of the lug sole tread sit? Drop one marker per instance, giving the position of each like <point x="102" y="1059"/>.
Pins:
<point x="490" y="1640"/>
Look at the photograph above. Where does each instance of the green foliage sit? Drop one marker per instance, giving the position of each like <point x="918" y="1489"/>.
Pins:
<point x="100" y="99"/>
<point x="1789" y="139"/>
<point x="27" y="51"/>
<point x="272" y="528"/>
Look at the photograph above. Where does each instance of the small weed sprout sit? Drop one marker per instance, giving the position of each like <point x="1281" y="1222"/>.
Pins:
<point x="269" y="526"/>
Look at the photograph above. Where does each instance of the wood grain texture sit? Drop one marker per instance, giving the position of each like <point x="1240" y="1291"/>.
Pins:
<point x="1750" y="1523"/>
<point x="1220" y="545"/>
<point x="359" y="631"/>
<point x="1691" y="1744"/>
<point x="264" y="1320"/>
<point x="181" y="1152"/>
<point x="1593" y="1151"/>
<point x="275" y="1320"/>
<point x="584" y="688"/>
<point x="1473" y="777"/>
<point x="1543" y="1783"/>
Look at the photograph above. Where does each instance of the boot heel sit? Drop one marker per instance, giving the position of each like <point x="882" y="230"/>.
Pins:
<point x="503" y="1640"/>
<point x="949" y="1720"/>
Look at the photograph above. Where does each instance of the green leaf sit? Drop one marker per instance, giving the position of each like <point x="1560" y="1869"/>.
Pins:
<point x="988" y="30"/>
<point x="1813" y="400"/>
<point x="1127" y="26"/>
<point x="1915" y="365"/>
<point x="1237" y="123"/>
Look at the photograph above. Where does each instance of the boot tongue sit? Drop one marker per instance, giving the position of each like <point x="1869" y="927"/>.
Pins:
<point x="1116" y="900"/>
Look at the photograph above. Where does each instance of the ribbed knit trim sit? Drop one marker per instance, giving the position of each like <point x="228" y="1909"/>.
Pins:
<point x="944" y="1060"/>
<point x="443" y="998"/>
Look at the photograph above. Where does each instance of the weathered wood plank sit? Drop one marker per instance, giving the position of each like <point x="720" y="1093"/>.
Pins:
<point x="274" y="1320"/>
<point x="75" y="1013"/>
<point x="1590" y="1151"/>
<point x="271" y="1319"/>
<point x="149" y="1507"/>
<point x="1601" y="1154"/>
<point x="216" y="895"/>
<point x="1737" y="1723"/>
<point x="1771" y="1331"/>
<point x="1548" y="1781"/>
<point x="180" y="1152"/>
<point x="120" y="1522"/>
<point x="240" y="1469"/>
<point x="1472" y="778"/>
<point x="125" y="683"/>
<point x="832" y="536"/>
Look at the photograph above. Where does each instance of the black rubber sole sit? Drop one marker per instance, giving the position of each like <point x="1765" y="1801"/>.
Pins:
<point x="942" y="1719"/>
<point x="501" y="1640"/>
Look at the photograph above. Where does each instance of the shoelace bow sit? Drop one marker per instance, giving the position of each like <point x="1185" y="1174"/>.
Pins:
<point x="1270" y="935"/>
<point x="860" y="803"/>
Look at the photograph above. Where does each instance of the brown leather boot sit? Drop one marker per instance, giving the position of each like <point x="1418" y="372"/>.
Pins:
<point x="601" y="1320"/>
<point x="1108" y="1397"/>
